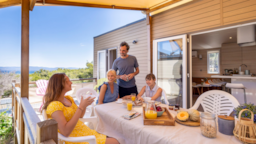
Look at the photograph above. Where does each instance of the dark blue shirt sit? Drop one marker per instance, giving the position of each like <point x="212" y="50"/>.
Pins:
<point x="125" y="66"/>
<point x="110" y="97"/>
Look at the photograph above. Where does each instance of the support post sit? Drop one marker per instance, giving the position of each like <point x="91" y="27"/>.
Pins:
<point x="150" y="42"/>
<point x="21" y="124"/>
<point x="24" y="48"/>
<point x="25" y="6"/>
<point x="13" y="95"/>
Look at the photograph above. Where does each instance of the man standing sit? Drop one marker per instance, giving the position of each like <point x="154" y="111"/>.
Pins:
<point x="126" y="65"/>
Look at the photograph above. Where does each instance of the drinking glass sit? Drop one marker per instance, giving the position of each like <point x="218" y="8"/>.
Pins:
<point x="133" y="96"/>
<point x="129" y="105"/>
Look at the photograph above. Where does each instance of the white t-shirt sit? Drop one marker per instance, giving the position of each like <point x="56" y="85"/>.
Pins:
<point x="151" y="93"/>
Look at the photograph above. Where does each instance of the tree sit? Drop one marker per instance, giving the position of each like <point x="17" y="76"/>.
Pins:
<point x="71" y="73"/>
<point x="6" y="82"/>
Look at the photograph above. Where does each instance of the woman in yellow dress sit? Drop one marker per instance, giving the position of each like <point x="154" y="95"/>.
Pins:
<point x="64" y="110"/>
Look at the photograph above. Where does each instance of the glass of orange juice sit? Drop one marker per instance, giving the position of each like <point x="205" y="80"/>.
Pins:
<point x="133" y="96"/>
<point x="129" y="105"/>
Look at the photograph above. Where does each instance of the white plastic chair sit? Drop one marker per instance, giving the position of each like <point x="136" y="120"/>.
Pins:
<point x="89" y="139"/>
<point x="217" y="102"/>
<point x="83" y="92"/>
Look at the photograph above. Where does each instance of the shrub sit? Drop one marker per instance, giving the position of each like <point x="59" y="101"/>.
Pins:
<point x="7" y="93"/>
<point x="6" y="128"/>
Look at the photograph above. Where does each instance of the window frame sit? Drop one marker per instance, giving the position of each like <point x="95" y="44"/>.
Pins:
<point x="213" y="51"/>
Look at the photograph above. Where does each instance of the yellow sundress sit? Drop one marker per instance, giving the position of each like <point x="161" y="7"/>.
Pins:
<point x="80" y="129"/>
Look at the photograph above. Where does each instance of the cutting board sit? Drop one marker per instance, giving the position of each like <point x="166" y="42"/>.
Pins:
<point x="189" y="123"/>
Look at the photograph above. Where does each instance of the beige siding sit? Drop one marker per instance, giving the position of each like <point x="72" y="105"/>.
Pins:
<point x="202" y="15"/>
<point x="195" y="16"/>
<point x="238" y="10"/>
<point x="136" y="31"/>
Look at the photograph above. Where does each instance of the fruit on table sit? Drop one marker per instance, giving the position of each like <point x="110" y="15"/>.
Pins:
<point x="183" y="116"/>
<point x="194" y="115"/>
<point x="158" y="108"/>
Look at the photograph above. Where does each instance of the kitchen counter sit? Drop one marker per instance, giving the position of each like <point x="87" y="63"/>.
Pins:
<point x="249" y="84"/>
<point x="233" y="77"/>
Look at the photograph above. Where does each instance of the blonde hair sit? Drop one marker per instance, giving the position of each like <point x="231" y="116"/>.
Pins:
<point x="111" y="70"/>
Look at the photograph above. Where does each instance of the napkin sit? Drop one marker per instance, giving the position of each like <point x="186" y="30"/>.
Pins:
<point x="131" y="115"/>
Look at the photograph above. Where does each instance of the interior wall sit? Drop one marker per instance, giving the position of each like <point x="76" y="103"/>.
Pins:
<point x="231" y="56"/>
<point x="199" y="66"/>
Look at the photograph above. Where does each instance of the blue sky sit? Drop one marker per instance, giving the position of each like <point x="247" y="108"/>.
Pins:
<point x="59" y="36"/>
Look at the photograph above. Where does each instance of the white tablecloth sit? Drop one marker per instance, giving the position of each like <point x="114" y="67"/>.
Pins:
<point x="134" y="132"/>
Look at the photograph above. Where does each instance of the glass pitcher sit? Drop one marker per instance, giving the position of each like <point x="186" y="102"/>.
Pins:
<point x="150" y="111"/>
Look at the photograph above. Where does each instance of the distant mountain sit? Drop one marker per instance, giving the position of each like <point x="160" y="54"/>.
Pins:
<point x="32" y="69"/>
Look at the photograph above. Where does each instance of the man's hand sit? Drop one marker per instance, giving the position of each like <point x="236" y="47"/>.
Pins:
<point x="123" y="77"/>
<point x="130" y="76"/>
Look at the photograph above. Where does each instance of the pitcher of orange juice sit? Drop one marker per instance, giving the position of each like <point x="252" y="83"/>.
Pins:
<point x="150" y="111"/>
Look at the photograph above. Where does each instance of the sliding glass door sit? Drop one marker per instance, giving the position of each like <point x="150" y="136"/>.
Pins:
<point x="170" y="68"/>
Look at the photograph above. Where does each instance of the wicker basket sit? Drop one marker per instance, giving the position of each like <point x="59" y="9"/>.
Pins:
<point x="245" y="129"/>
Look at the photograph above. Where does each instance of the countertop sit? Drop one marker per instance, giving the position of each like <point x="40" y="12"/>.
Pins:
<point x="233" y="77"/>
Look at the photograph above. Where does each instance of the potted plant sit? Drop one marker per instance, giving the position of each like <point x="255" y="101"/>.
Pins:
<point x="245" y="114"/>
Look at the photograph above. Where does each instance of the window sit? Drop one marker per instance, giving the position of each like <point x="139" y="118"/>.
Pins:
<point x="213" y="62"/>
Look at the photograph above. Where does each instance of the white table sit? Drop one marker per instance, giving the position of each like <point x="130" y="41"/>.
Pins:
<point x="134" y="132"/>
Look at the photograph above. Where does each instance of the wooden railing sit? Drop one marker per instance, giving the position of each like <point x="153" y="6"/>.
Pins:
<point x="28" y="127"/>
<point x="80" y="79"/>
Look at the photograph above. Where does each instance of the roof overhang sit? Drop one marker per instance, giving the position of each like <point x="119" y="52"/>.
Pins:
<point x="151" y="6"/>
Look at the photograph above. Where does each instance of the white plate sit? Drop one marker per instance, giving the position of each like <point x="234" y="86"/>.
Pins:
<point x="86" y="96"/>
<point x="118" y="102"/>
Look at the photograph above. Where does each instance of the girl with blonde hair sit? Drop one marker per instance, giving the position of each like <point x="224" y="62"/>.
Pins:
<point x="109" y="91"/>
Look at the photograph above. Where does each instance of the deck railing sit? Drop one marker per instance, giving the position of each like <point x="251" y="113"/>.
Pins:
<point x="80" y="79"/>
<point x="28" y="127"/>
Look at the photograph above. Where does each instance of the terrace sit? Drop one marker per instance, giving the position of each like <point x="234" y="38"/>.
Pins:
<point x="174" y="21"/>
